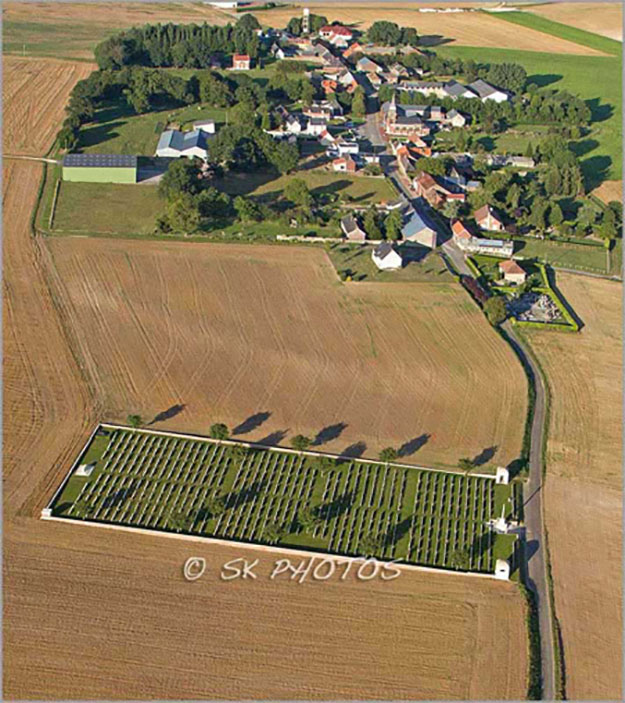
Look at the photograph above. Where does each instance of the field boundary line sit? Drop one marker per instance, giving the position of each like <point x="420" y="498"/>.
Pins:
<point x="261" y="547"/>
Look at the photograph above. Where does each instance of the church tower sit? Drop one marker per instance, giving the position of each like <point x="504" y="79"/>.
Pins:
<point x="306" y="21"/>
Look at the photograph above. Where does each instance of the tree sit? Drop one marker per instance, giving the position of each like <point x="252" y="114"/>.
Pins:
<point x="308" y="518"/>
<point x="182" y="176"/>
<point x="243" y="114"/>
<point x="68" y="138"/>
<point x="358" y="103"/>
<point x="393" y="224"/>
<point x="461" y="559"/>
<point x="307" y="92"/>
<point x="538" y="213"/>
<point x="83" y="508"/>
<point x="514" y="196"/>
<point x="300" y="442"/>
<point x="273" y="532"/>
<point x="384" y="33"/>
<point x="495" y="309"/>
<point x="247" y="210"/>
<point x="388" y="454"/>
<point x="509" y="76"/>
<point x="179" y="521"/>
<point x="555" y="215"/>
<point x="294" y="26"/>
<point x="297" y="192"/>
<point x="219" y="430"/>
<point x="466" y="464"/>
<point x="134" y="420"/>
<point x="370" y="224"/>
<point x="183" y="213"/>
<point x="587" y="215"/>
<point x="451" y="208"/>
<point x="369" y="545"/>
<point x="215" y="506"/>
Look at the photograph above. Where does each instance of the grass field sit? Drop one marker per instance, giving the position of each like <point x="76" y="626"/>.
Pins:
<point x="583" y="490"/>
<point x="564" y="31"/>
<point x="117" y="130"/>
<point x="566" y="255"/>
<point x="595" y="79"/>
<point x="605" y="18"/>
<point x="163" y="482"/>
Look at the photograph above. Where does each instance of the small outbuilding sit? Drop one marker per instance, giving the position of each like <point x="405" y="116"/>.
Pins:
<point x="352" y="229"/>
<point x="512" y="272"/>
<point x="344" y="164"/>
<point x="207" y="126"/>
<point x="502" y="570"/>
<point x="241" y="62"/>
<point x="387" y="257"/>
<point x="100" y="168"/>
<point x="85" y="469"/>
<point x="502" y="476"/>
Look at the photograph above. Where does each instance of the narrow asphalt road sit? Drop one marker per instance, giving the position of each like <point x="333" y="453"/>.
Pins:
<point x="536" y="558"/>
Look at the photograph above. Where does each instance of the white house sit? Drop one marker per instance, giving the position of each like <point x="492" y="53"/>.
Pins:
<point x="455" y="119"/>
<point x="347" y="147"/>
<point x="207" y="126"/>
<point x="174" y="144"/>
<point x="386" y="256"/>
<point x="486" y="91"/>
<point x="316" y="126"/>
<point x="352" y="229"/>
<point x="487" y="219"/>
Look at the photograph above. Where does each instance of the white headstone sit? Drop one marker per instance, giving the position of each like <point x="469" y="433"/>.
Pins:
<point x="502" y="570"/>
<point x="503" y="475"/>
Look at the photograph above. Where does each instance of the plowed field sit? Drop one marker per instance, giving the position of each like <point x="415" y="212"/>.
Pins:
<point x="34" y="93"/>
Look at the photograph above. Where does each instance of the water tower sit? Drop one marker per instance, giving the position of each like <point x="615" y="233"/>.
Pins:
<point x="306" y="21"/>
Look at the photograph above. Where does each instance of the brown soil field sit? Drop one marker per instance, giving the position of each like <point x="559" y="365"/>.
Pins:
<point x="224" y="332"/>
<point x="609" y="190"/>
<point x="465" y="29"/>
<point x="34" y="93"/>
<point x="94" y="613"/>
<point x="600" y="17"/>
<point x="583" y="499"/>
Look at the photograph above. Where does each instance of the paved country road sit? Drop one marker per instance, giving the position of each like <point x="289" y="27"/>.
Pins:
<point x="534" y="534"/>
<point x="535" y="553"/>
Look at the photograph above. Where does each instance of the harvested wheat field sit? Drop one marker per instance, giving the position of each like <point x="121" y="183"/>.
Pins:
<point x="35" y="92"/>
<point x="95" y="613"/>
<point x="227" y="332"/>
<point x="463" y="28"/>
<point x="583" y="499"/>
<point x="604" y="18"/>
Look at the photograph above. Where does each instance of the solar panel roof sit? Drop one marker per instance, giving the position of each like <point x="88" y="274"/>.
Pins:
<point x="100" y="160"/>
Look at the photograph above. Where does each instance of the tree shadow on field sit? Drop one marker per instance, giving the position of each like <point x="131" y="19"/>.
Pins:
<point x="327" y="434"/>
<point x="251" y="423"/>
<point x="397" y="531"/>
<point x="118" y="497"/>
<point x="274" y="438"/>
<point x="485" y="456"/>
<point x="353" y="451"/>
<point x="543" y="79"/>
<point x="336" y="507"/>
<point x="168" y="414"/>
<point x="413" y="445"/>
<point x="243" y="495"/>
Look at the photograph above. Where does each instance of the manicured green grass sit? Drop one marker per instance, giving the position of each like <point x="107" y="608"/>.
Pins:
<point x="596" y="79"/>
<point x="563" y="254"/>
<point x="362" y="190"/>
<point x="168" y="483"/>
<point x="356" y="259"/>
<point x="117" y="130"/>
<point x="106" y="208"/>
<point x="564" y="31"/>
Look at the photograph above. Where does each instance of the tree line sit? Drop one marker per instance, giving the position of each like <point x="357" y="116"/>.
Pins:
<point x="178" y="45"/>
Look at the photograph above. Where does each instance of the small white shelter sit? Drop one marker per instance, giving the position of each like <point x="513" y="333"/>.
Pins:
<point x="386" y="257"/>
<point x="502" y="475"/>
<point x="207" y="126"/>
<point x="85" y="470"/>
<point x="502" y="570"/>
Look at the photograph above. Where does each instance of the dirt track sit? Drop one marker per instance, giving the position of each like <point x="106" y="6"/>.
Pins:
<point x="583" y="499"/>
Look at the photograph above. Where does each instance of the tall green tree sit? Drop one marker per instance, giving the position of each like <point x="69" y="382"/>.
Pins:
<point x="393" y="224"/>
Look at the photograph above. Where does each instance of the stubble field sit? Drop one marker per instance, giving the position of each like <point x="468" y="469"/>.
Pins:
<point x="68" y="588"/>
<point x="583" y="499"/>
<point x="34" y="93"/>
<point x="604" y="18"/>
<point x="228" y="332"/>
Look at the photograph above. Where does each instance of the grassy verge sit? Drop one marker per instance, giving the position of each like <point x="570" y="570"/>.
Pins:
<point x="564" y="31"/>
<point x="534" y="673"/>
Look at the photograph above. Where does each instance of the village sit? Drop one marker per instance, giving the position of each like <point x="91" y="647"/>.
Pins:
<point x="374" y="114"/>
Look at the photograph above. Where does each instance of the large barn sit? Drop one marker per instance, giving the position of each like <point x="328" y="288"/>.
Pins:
<point x="100" y="168"/>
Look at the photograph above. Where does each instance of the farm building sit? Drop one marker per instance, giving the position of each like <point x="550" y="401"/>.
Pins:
<point x="418" y="229"/>
<point x="174" y="144"/>
<point x="386" y="256"/>
<point x="487" y="219"/>
<point x="100" y="168"/>
<point x="512" y="272"/>
<point x="352" y="230"/>
<point x="486" y="91"/>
